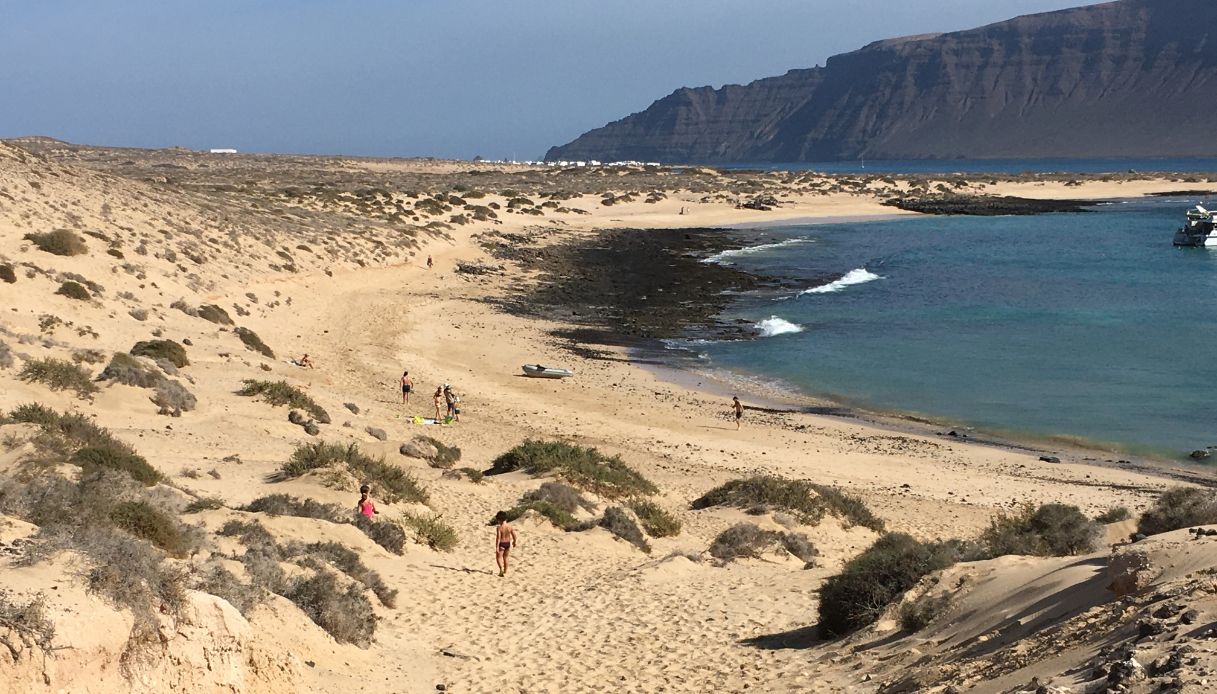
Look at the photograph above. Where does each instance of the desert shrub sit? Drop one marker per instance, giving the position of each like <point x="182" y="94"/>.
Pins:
<point x="618" y="522"/>
<point x="279" y="393"/>
<point x="657" y="521"/>
<point x="6" y="356"/>
<point x="474" y="476"/>
<point x="221" y="582"/>
<point x="348" y="562"/>
<point x="918" y="614"/>
<point x="1179" y="507"/>
<point x="387" y="534"/>
<point x="215" y="314"/>
<point x="1115" y="514"/>
<point x="65" y="433"/>
<point x="848" y="507"/>
<point x="27" y="621"/>
<point x="143" y="521"/>
<point x="586" y="468"/>
<point x="88" y="356"/>
<point x="564" y="497"/>
<point x="207" y="503"/>
<point x="127" y="370"/>
<point x="742" y="540"/>
<point x="870" y="581"/>
<point x="172" y="351"/>
<point x="7" y="274"/>
<point x="344" y="612"/>
<point x="1050" y="530"/>
<point x="58" y="374"/>
<point x="557" y="516"/>
<point x="254" y="343"/>
<point x="799" y="545"/>
<point x="74" y="290"/>
<point x="446" y="457"/>
<point x="172" y="397"/>
<point x="394" y="483"/>
<point x="288" y="505"/>
<point x="130" y="573"/>
<point x="92" y="458"/>
<point x="797" y="497"/>
<point x="252" y="534"/>
<point x="431" y="531"/>
<point x="58" y="242"/>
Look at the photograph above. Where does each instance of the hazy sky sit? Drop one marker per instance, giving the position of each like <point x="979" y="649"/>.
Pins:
<point x="454" y="78"/>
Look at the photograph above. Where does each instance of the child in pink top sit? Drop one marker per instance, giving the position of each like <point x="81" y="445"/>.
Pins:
<point x="366" y="506"/>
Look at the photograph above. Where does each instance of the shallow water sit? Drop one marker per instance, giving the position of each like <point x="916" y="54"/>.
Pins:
<point x="1088" y="326"/>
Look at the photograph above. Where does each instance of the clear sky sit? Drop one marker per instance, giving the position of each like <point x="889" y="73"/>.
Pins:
<point x="451" y="78"/>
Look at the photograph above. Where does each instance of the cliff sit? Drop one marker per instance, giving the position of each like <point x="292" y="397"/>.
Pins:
<point x="1134" y="78"/>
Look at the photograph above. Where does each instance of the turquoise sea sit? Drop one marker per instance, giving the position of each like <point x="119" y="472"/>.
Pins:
<point x="1088" y="325"/>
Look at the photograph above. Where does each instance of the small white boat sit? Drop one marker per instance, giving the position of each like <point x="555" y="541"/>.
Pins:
<point x="538" y="371"/>
<point x="1200" y="230"/>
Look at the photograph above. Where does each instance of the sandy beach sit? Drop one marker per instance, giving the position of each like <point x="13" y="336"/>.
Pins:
<point x="343" y="278"/>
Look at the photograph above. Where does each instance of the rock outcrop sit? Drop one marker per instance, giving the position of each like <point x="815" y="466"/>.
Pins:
<point x="1133" y="78"/>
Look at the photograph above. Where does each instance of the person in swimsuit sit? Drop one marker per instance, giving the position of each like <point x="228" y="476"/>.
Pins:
<point x="450" y="399"/>
<point x="439" y="403"/>
<point x="504" y="540"/>
<point x="366" y="507"/>
<point x="429" y="262"/>
<point x="739" y="410"/>
<point x="407" y="386"/>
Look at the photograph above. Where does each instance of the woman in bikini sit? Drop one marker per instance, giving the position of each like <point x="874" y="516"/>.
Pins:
<point x="366" y="507"/>
<point x="439" y="403"/>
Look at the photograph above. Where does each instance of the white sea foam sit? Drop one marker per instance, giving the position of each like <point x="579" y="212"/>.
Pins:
<point x="777" y="326"/>
<point x="726" y="256"/>
<point x="855" y="276"/>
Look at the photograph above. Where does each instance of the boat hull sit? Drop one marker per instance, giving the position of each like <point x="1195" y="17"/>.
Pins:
<point x="537" y="371"/>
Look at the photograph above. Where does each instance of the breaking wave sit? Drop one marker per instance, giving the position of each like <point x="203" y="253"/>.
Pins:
<point x="855" y="276"/>
<point x="777" y="326"/>
<point x="726" y="256"/>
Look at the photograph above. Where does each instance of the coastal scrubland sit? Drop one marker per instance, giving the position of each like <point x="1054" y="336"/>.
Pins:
<point x="178" y="498"/>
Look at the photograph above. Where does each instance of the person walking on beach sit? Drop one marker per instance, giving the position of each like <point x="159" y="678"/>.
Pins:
<point x="429" y="262"/>
<point x="739" y="410"/>
<point x="366" y="507"/>
<point x="504" y="540"/>
<point x="439" y="402"/>
<point x="407" y="386"/>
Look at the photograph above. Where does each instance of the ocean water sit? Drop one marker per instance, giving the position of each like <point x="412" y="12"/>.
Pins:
<point x="1088" y="326"/>
<point x="1002" y="166"/>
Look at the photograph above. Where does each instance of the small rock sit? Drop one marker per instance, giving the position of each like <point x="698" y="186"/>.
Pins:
<point x="352" y="407"/>
<point x="419" y="448"/>
<point x="296" y="417"/>
<point x="1189" y="617"/>
<point x="1050" y="459"/>
<point x="311" y="428"/>
<point x="377" y="433"/>
<point x="1198" y="454"/>
<point x="1150" y="627"/>
<point x="186" y="341"/>
<point x="264" y="366"/>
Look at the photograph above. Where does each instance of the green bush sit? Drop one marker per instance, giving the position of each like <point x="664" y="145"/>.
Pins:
<point x="143" y="521"/>
<point x="1114" y="514"/>
<point x="585" y="468"/>
<point x="474" y="475"/>
<point x="254" y="343"/>
<point x="446" y="457"/>
<point x="279" y="393"/>
<point x="848" y="507"/>
<point x="74" y="290"/>
<point x="169" y="350"/>
<point x="431" y="531"/>
<point x="288" y="505"/>
<point x="58" y="374"/>
<point x="1050" y="530"/>
<point x="622" y="525"/>
<point x="127" y="370"/>
<point x="560" y="518"/>
<point x="92" y="458"/>
<point x="58" y="242"/>
<point x="797" y="497"/>
<point x="387" y="534"/>
<point x="392" y="483"/>
<point x="1179" y="507"/>
<point x="348" y="562"/>
<point x="742" y="540"/>
<point x="207" y="503"/>
<point x="657" y="521"/>
<point x="344" y="613"/>
<point x="560" y="495"/>
<point x="869" y="582"/>
<point x="66" y="433"/>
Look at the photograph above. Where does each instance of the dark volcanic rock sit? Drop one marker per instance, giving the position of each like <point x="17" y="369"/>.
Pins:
<point x="986" y="205"/>
<point x="1121" y="79"/>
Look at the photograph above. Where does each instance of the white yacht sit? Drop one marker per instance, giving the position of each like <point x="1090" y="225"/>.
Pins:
<point x="1199" y="229"/>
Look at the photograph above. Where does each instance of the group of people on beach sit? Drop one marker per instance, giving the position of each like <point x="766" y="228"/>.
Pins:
<point x="446" y="400"/>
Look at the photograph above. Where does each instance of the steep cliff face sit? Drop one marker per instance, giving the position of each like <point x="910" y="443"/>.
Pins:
<point x="1134" y="78"/>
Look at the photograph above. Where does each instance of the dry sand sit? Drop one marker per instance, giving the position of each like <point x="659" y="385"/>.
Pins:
<point x="579" y="612"/>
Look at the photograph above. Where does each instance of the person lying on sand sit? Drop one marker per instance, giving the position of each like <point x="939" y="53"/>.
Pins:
<point x="366" y="506"/>
<point x="504" y="540"/>
<point x="304" y="361"/>
<point x="739" y="410"/>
